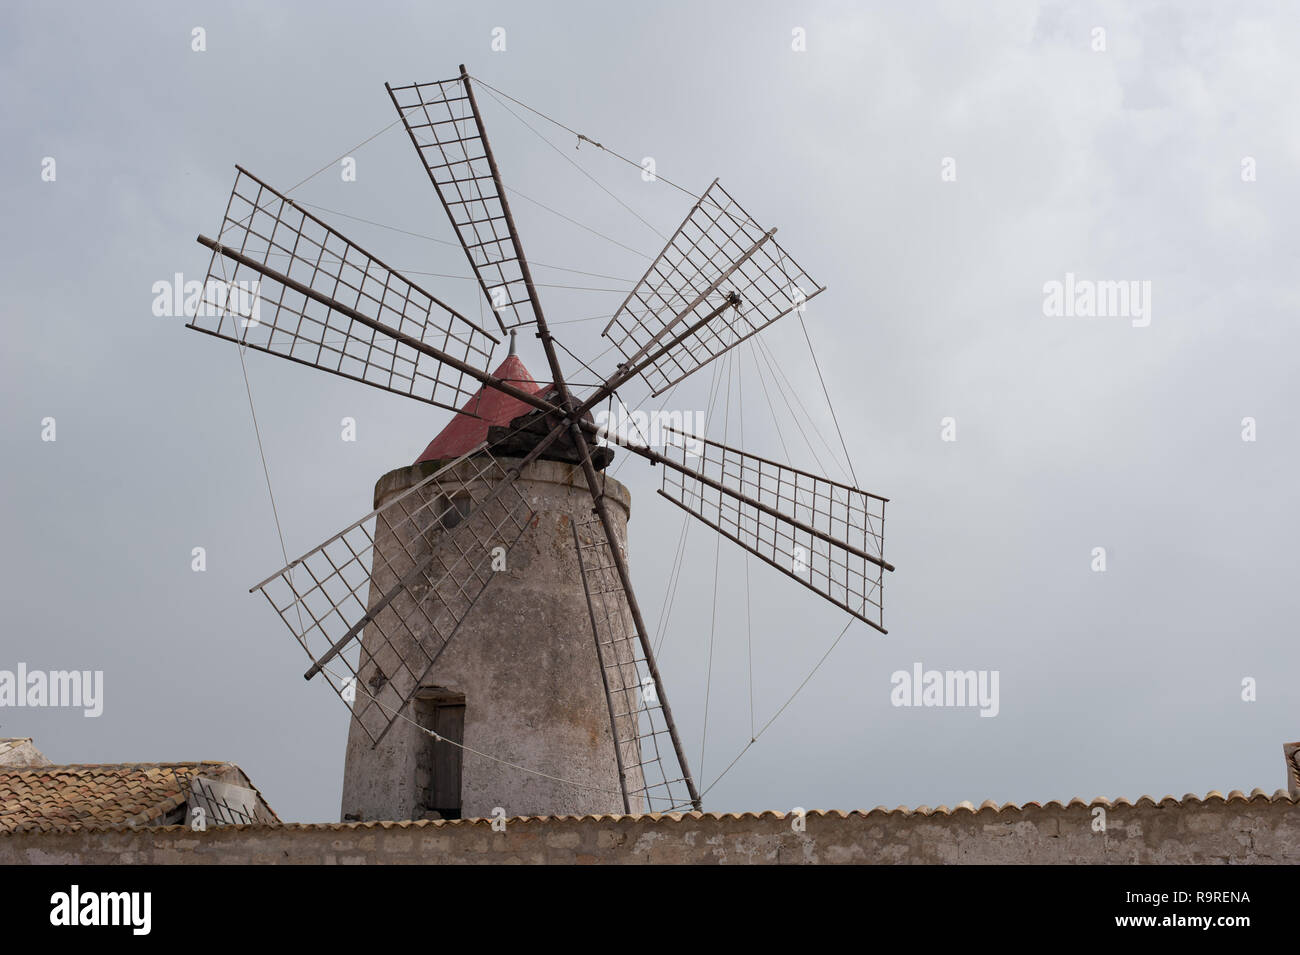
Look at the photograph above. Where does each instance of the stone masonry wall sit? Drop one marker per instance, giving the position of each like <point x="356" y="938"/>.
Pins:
<point x="1238" y="829"/>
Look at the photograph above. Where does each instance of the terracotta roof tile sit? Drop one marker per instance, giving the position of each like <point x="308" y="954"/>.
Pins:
<point x="91" y="795"/>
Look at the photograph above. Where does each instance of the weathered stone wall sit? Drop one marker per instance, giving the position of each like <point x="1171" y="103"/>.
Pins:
<point x="524" y="658"/>
<point x="1240" y="829"/>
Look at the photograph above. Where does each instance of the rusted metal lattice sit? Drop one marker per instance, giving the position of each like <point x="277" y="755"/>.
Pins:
<point x="828" y="536"/>
<point x="444" y="126"/>
<point x="649" y="774"/>
<point x="282" y="281"/>
<point x="720" y="279"/>
<point x="375" y="644"/>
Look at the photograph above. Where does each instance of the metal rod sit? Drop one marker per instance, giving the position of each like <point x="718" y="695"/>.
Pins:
<point x="767" y="560"/>
<point x="733" y="301"/>
<point x="625" y="578"/>
<point x="419" y="151"/>
<point x="424" y="675"/>
<point x="655" y="457"/>
<point x="625" y="372"/>
<point x="658" y="458"/>
<point x="425" y="349"/>
<point x="627" y="369"/>
<point x="384" y="265"/>
<point x="600" y="661"/>
<point x="748" y="254"/>
<point x="575" y="424"/>
<point x="501" y="197"/>
<point x="667" y="245"/>
<point x="357" y="523"/>
<point x="372" y="612"/>
<point x="739" y="340"/>
<point x="776" y="464"/>
<point x="505" y="387"/>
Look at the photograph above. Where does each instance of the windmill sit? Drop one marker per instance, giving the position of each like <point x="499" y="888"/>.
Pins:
<point x="382" y="606"/>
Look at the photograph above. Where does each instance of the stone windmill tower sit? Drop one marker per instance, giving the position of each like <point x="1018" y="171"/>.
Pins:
<point x="480" y="622"/>
<point x="522" y="681"/>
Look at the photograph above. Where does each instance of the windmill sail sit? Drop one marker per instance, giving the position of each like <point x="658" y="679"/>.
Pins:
<point x="443" y="123"/>
<point x="650" y="774"/>
<point x="376" y="642"/>
<point x="282" y="281"/>
<point x="720" y="279"/>
<point x="827" y="535"/>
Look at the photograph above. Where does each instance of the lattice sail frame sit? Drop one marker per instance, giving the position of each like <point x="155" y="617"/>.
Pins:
<point x="713" y="238"/>
<point x="445" y="529"/>
<point x="243" y="304"/>
<point x="440" y="119"/>
<point x="824" y="534"/>
<point x="650" y="777"/>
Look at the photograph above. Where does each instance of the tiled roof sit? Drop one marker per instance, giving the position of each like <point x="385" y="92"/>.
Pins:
<point x="50" y="798"/>
<point x="1235" y="797"/>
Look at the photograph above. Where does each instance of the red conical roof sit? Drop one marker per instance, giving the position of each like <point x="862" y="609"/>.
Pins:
<point x="466" y="432"/>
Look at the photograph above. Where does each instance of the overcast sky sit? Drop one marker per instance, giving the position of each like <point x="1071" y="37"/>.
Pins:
<point x="1167" y="157"/>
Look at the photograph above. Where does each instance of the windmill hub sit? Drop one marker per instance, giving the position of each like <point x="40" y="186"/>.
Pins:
<point x="524" y="433"/>
<point x="511" y="427"/>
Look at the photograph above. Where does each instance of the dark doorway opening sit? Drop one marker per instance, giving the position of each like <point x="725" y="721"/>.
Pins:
<point x="438" y="764"/>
